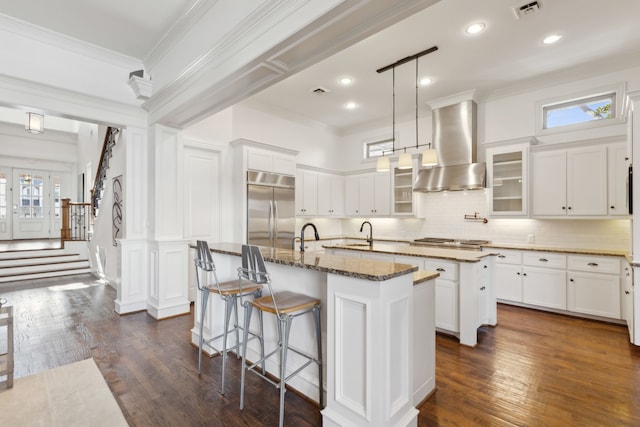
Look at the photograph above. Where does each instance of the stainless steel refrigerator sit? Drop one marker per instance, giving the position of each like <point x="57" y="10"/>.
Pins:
<point x="270" y="209"/>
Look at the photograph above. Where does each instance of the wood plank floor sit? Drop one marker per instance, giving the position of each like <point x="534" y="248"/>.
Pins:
<point x="533" y="369"/>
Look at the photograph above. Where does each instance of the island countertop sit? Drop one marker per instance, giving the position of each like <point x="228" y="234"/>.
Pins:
<point x="417" y="251"/>
<point x="345" y="266"/>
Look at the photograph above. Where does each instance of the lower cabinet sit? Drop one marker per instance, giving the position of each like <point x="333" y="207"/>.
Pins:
<point x="628" y="300"/>
<point x="583" y="284"/>
<point x="447" y="294"/>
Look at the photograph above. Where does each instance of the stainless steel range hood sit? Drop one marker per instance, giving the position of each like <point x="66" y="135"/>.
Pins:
<point x="454" y="138"/>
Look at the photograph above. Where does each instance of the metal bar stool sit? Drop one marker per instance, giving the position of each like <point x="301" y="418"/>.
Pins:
<point x="286" y="306"/>
<point x="230" y="292"/>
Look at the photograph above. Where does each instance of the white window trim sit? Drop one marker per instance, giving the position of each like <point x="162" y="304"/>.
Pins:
<point x="619" y="118"/>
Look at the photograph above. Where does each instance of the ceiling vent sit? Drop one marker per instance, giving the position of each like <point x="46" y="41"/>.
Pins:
<point x="527" y="9"/>
<point x="319" y="91"/>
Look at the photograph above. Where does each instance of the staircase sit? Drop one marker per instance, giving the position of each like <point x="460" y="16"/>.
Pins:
<point x="98" y="185"/>
<point x="16" y="265"/>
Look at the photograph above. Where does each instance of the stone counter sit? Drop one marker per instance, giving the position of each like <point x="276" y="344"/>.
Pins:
<point x="459" y="255"/>
<point x="345" y="266"/>
<point x="542" y="248"/>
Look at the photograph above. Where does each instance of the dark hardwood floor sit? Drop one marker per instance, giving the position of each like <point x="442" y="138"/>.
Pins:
<point x="533" y="369"/>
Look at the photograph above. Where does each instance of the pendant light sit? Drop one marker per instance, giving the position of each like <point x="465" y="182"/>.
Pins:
<point x="35" y="123"/>
<point x="404" y="161"/>
<point x="383" y="165"/>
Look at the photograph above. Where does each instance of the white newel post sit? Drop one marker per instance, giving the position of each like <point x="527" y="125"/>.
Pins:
<point x="169" y="252"/>
<point x="132" y="289"/>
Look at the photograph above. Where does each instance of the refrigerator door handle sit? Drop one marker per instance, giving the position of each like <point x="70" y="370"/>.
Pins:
<point x="275" y="220"/>
<point x="269" y="218"/>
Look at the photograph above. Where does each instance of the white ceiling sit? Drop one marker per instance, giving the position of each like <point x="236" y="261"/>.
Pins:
<point x="598" y="37"/>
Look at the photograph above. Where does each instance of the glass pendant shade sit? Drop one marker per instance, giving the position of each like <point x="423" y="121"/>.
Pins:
<point x="429" y="157"/>
<point x="382" y="165"/>
<point x="35" y="123"/>
<point x="404" y="162"/>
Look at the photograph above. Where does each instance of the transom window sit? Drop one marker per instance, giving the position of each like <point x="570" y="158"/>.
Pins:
<point x="583" y="110"/>
<point x="378" y="148"/>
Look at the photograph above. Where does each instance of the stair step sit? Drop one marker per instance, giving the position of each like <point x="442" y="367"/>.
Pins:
<point x="22" y="253"/>
<point x="19" y="270"/>
<point x="25" y="260"/>
<point x="44" y="275"/>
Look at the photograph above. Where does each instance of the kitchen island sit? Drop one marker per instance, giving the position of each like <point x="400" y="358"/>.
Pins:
<point x="465" y="292"/>
<point x="377" y="327"/>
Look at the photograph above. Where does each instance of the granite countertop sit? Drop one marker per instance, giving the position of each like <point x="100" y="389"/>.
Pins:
<point x="542" y="248"/>
<point x="459" y="255"/>
<point x="365" y="269"/>
<point x="421" y="276"/>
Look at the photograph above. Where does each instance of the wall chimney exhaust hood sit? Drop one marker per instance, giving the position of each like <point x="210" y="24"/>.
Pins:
<point x="454" y="137"/>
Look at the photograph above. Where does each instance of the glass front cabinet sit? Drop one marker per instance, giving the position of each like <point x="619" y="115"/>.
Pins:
<point x="403" y="197"/>
<point x="507" y="179"/>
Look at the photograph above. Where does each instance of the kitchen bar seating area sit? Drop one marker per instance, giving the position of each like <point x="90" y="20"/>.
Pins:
<point x="514" y="377"/>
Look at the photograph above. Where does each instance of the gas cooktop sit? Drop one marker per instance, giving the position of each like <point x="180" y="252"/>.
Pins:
<point x="452" y="243"/>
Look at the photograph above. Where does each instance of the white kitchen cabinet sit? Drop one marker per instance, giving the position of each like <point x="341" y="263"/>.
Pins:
<point x="403" y="196"/>
<point x="507" y="171"/>
<point x="447" y="297"/>
<point x="306" y="193"/>
<point x="368" y="195"/>
<point x="569" y="182"/>
<point x="544" y="281"/>
<point x="375" y="194"/>
<point x="618" y="160"/>
<point x="268" y="161"/>
<point x="593" y="286"/>
<point x="627" y="297"/>
<point x="352" y="195"/>
<point x="508" y="275"/>
<point x="330" y="195"/>
<point x="485" y="298"/>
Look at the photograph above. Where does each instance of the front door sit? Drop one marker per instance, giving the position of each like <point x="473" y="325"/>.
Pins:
<point x="31" y="201"/>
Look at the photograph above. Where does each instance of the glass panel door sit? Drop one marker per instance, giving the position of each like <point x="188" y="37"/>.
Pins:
<point x="30" y="204"/>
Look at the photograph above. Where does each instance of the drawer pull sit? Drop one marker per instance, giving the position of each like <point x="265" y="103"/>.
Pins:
<point x="571" y="280"/>
<point x="440" y="269"/>
<point x="483" y="288"/>
<point x="518" y="273"/>
<point x="501" y="256"/>
<point x="593" y="264"/>
<point x="543" y="260"/>
<point x="485" y="266"/>
<point x="626" y="292"/>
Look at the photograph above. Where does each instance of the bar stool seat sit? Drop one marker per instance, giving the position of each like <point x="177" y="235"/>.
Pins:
<point x="286" y="306"/>
<point x="230" y="292"/>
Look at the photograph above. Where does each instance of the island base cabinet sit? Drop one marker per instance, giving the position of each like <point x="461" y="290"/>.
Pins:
<point x="594" y="294"/>
<point x="545" y="287"/>
<point x="447" y="317"/>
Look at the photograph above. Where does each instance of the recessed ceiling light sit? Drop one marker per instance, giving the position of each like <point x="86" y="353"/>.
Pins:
<point x="551" y="39"/>
<point x="425" y="81"/>
<point x="476" y="28"/>
<point x="350" y="105"/>
<point x="345" y="81"/>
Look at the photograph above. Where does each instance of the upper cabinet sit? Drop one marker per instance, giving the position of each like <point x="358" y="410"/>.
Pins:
<point x="618" y="159"/>
<point x="368" y="194"/>
<point x="306" y="193"/>
<point x="269" y="161"/>
<point x="569" y="182"/>
<point x="403" y="203"/>
<point x="507" y="178"/>
<point x="330" y="195"/>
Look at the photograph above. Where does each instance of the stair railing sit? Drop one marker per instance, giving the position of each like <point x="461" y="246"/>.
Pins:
<point x="76" y="221"/>
<point x="101" y="173"/>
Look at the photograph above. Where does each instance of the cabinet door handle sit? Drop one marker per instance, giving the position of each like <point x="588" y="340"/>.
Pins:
<point x="485" y="266"/>
<point x="501" y="256"/>
<point x="483" y="288"/>
<point x="563" y="208"/>
<point x="543" y="260"/>
<point x="626" y="292"/>
<point x="569" y="207"/>
<point x="440" y="269"/>
<point x="518" y="273"/>
<point x="524" y="274"/>
<point x="571" y="280"/>
<point x="613" y="207"/>
<point x="593" y="264"/>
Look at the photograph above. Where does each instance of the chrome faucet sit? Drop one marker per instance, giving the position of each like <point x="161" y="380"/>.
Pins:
<point x="370" y="237"/>
<point x="302" y="234"/>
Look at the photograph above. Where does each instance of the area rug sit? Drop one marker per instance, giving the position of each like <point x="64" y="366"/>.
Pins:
<point x="71" y="395"/>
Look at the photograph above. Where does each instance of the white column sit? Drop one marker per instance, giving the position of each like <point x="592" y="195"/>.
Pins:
<point x="369" y="372"/>
<point x="168" y="253"/>
<point x="132" y="289"/>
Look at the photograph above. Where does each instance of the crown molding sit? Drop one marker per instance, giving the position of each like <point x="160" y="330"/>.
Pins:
<point x="52" y="38"/>
<point x="182" y="26"/>
<point x="20" y="93"/>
